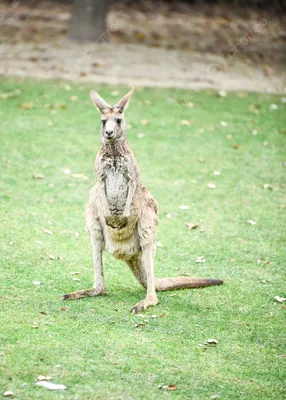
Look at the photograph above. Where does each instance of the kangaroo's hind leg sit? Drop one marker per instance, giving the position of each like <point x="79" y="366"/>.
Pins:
<point x="97" y="241"/>
<point x="143" y="265"/>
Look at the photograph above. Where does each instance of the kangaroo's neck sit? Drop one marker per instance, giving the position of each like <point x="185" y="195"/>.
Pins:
<point x="115" y="148"/>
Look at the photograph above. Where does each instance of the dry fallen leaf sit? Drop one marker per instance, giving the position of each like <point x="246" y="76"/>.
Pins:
<point x="237" y="146"/>
<point x="251" y="222"/>
<point x="75" y="273"/>
<point x="8" y="393"/>
<point x="211" y="185"/>
<point x="279" y="299"/>
<point x="185" y="122"/>
<point x="73" y="98"/>
<point x="38" y="176"/>
<point x="222" y="93"/>
<point x="63" y="106"/>
<point x="27" y="106"/>
<point x="171" y="387"/>
<point x="43" y="378"/>
<point x="190" y="225"/>
<point x="79" y="176"/>
<point x="51" y="386"/>
<point x="223" y="123"/>
<point x="211" y="341"/>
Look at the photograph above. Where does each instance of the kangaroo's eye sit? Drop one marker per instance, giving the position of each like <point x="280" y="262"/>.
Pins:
<point x="119" y="121"/>
<point x="103" y="121"/>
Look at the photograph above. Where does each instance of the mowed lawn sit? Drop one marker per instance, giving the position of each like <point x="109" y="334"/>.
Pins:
<point x="49" y="138"/>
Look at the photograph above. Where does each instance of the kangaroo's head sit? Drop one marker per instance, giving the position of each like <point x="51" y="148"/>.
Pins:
<point x="113" y="126"/>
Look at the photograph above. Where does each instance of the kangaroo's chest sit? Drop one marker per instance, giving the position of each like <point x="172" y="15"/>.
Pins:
<point x="116" y="184"/>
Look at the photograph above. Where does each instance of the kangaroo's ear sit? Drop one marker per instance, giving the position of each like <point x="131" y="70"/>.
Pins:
<point x="124" y="102"/>
<point x="98" y="101"/>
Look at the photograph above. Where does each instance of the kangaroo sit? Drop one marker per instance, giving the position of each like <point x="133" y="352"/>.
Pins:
<point x="121" y="214"/>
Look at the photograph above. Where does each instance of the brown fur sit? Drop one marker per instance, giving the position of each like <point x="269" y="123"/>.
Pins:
<point x="121" y="214"/>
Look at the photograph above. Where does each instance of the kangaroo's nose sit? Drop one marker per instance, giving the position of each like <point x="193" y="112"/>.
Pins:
<point x="109" y="133"/>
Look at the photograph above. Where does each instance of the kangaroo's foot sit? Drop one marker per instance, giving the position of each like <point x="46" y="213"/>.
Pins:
<point x="143" y="304"/>
<point x="83" y="293"/>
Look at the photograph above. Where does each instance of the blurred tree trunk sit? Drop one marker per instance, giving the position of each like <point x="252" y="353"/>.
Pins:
<point x="88" y="19"/>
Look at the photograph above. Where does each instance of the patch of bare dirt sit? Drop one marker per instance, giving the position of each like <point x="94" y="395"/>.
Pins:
<point x="178" y="45"/>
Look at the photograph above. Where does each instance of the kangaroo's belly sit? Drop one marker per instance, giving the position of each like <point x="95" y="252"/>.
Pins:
<point x="116" y="187"/>
<point x="122" y="244"/>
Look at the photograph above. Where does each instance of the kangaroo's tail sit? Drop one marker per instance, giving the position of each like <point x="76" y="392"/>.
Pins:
<point x="184" y="283"/>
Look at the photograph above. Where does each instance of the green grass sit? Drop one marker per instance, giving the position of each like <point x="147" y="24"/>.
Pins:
<point x="93" y="345"/>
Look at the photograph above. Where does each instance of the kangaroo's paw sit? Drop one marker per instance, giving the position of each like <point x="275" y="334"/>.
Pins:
<point x="83" y="293"/>
<point x="144" y="304"/>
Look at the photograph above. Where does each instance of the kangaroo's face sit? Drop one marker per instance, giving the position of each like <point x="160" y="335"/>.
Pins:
<point x="113" y="126"/>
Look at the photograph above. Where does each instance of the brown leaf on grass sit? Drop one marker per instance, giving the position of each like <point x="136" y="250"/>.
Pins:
<point x="185" y="122"/>
<point x="51" y="386"/>
<point x="190" y="225"/>
<point x="211" y="341"/>
<point x="237" y="147"/>
<point x="63" y="106"/>
<point x="80" y="176"/>
<point x="171" y="387"/>
<point x="27" y="106"/>
<point x="38" y="176"/>
<point x="224" y="124"/>
<point x="43" y="378"/>
<point x="82" y="74"/>
<point x="8" y="393"/>
<point x="279" y="299"/>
